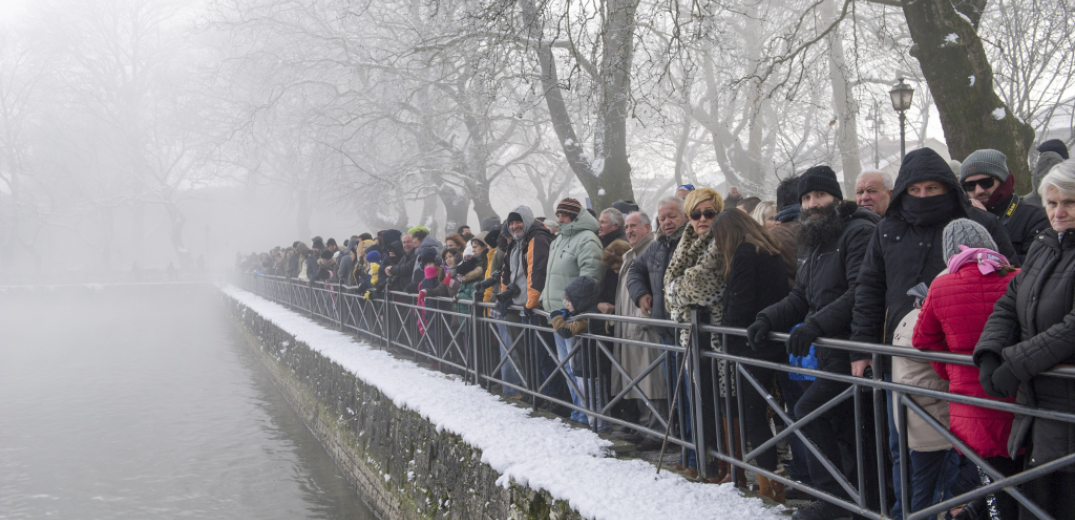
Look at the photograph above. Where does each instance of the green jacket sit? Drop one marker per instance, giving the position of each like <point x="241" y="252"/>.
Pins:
<point x="575" y="252"/>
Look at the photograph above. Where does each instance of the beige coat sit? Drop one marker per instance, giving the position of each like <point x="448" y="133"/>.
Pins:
<point x="916" y="372"/>
<point x="634" y="359"/>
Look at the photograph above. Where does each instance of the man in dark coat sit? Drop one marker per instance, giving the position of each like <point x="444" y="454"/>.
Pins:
<point x="833" y="239"/>
<point x="645" y="277"/>
<point x="905" y="250"/>
<point x="786" y="232"/>
<point x="985" y="177"/>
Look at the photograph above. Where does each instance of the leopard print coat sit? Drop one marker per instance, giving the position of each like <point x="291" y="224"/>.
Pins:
<point x="695" y="279"/>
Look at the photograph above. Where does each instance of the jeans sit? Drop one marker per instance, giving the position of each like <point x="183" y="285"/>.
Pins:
<point x="682" y="402"/>
<point x="563" y="349"/>
<point x="508" y="372"/>
<point x="792" y="392"/>
<point x="932" y="473"/>
<point x="539" y="364"/>
<point x="894" y="450"/>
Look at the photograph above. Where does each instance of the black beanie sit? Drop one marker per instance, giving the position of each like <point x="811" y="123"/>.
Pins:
<point x="1054" y="145"/>
<point x="820" y="178"/>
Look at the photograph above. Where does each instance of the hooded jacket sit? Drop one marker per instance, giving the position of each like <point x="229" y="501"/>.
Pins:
<point x="903" y="254"/>
<point x="646" y="276"/>
<point x="575" y="252"/>
<point x="1032" y="327"/>
<point x="1046" y="161"/>
<point x="825" y="282"/>
<point x="527" y="259"/>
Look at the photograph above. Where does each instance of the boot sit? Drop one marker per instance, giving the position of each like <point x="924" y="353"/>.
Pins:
<point x="722" y="467"/>
<point x="732" y="441"/>
<point x="771" y="489"/>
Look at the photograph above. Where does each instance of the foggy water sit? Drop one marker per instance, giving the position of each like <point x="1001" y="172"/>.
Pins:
<point x="141" y="407"/>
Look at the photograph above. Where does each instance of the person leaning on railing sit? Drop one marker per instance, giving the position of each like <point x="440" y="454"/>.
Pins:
<point x="1031" y="330"/>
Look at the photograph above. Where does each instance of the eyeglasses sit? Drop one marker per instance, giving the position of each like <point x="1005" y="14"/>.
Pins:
<point x="985" y="183"/>
<point x="688" y="187"/>
<point x="708" y="214"/>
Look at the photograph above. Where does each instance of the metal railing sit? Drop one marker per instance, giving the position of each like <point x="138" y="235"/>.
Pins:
<point x="518" y="352"/>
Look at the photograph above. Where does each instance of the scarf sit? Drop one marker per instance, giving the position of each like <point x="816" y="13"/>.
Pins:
<point x="927" y="211"/>
<point x="988" y="261"/>
<point x="1002" y="193"/>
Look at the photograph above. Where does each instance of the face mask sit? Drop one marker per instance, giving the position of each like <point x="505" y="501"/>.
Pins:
<point x="431" y="272"/>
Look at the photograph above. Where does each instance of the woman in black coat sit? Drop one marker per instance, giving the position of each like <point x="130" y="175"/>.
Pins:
<point x="1031" y="330"/>
<point x="756" y="278"/>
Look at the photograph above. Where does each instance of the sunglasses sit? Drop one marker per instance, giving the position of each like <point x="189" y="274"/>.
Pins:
<point x="708" y="214"/>
<point x="985" y="183"/>
<point x="688" y="187"/>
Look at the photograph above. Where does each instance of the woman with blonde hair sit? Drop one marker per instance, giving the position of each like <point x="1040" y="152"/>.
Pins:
<point x="764" y="214"/>
<point x="695" y="280"/>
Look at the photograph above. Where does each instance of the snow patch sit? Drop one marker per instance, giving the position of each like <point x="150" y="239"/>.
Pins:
<point x="999" y="113"/>
<point x="951" y="39"/>
<point x="972" y="79"/>
<point x="569" y="142"/>
<point x="598" y="166"/>
<point x="601" y="192"/>
<point x="965" y="17"/>
<point x="572" y="464"/>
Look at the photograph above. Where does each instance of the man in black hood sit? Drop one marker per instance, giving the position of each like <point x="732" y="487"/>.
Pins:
<point x="905" y="250"/>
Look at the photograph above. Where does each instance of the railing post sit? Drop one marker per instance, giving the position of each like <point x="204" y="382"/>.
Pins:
<point x="694" y="364"/>
<point x="473" y="343"/>
<point x="387" y="320"/>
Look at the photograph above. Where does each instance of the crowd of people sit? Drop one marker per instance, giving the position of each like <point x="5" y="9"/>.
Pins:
<point x="945" y="257"/>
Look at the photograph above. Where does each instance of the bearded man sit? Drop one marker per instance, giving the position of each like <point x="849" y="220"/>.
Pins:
<point x="833" y="240"/>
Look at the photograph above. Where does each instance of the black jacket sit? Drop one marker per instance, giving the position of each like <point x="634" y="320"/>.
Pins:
<point x="755" y="282"/>
<point x="1033" y="328"/>
<point x="901" y="255"/>
<point x="824" y="292"/>
<point x="646" y="276"/>
<point x="1023" y="225"/>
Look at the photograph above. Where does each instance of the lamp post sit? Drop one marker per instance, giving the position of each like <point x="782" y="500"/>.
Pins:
<point x="875" y="117"/>
<point x="901" y="95"/>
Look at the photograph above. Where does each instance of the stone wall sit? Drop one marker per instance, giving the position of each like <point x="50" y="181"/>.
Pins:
<point x="398" y="461"/>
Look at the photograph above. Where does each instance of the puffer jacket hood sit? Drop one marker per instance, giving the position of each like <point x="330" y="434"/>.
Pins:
<point x="391" y="235"/>
<point x="575" y="252"/>
<point x="582" y="292"/>
<point x="525" y="214"/>
<point x="488" y="223"/>
<point x="920" y="165"/>
<point x="584" y="222"/>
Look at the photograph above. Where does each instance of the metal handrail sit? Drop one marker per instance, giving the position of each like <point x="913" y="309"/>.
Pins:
<point x="468" y="351"/>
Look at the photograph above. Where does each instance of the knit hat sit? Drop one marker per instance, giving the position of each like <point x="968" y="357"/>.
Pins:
<point x="964" y="232"/>
<point x="820" y="178"/>
<point x="1054" y="145"/>
<point x="570" y="207"/>
<point x="988" y="161"/>
<point x="373" y="257"/>
<point x="331" y="242"/>
<point x="412" y="230"/>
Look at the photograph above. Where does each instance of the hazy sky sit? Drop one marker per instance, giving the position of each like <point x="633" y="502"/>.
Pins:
<point x="10" y="8"/>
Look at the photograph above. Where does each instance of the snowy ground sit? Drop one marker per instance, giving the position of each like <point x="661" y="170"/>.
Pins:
<point x="570" y="463"/>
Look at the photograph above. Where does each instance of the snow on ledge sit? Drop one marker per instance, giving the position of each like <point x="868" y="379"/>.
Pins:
<point x="543" y="454"/>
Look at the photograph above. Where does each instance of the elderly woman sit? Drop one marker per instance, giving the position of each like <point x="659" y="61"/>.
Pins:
<point x="695" y="280"/>
<point x="1031" y="330"/>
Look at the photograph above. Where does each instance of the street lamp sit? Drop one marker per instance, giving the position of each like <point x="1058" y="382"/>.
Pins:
<point x="901" y="95"/>
<point x="875" y="117"/>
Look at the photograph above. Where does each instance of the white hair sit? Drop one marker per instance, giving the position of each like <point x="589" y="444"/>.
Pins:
<point x="678" y="201"/>
<point x="615" y="216"/>
<point x="642" y="216"/>
<point x="886" y="179"/>
<point x="1062" y="176"/>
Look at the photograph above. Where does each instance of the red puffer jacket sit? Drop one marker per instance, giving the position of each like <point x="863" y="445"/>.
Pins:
<point x="952" y="319"/>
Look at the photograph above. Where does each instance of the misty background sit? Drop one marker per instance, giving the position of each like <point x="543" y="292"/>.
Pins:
<point x="149" y="132"/>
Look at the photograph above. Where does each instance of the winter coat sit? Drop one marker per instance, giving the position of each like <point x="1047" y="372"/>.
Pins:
<point x="1046" y="161"/>
<point x="902" y="255"/>
<point x="575" y="252"/>
<point x="495" y="262"/>
<point x="824" y="292"/>
<point x="915" y="372"/>
<point x="633" y="359"/>
<point x="469" y="273"/>
<point x="1022" y="221"/>
<point x="616" y="234"/>
<point x="952" y="319"/>
<point x="527" y="259"/>
<point x="1032" y="328"/>
<point x="611" y="268"/>
<point x="755" y="282"/>
<point x="646" y="276"/>
<point x="582" y="291"/>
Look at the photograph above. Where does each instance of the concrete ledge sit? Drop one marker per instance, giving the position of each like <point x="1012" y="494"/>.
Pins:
<point x="398" y="461"/>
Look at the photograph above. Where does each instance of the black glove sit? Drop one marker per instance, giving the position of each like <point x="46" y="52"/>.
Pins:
<point x="758" y="331"/>
<point x="564" y="313"/>
<point x="564" y="332"/>
<point x="494" y="277"/>
<point x="528" y="314"/>
<point x="801" y="338"/>
<point x="1004" y="381"/>
<point x="508" y="294"/>
<point x="988" y="364"/>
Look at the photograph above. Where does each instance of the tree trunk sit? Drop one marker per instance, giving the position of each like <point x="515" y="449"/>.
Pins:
<point x="456" y="206"/>
<point x="302" y="217"/>
<point x="973" y="116"/>
<point x="846" y="106"/>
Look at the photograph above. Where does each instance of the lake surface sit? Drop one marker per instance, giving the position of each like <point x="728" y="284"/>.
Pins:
<point x="145" y="404"/>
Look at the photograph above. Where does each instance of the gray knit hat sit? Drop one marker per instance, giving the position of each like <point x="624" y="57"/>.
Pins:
<point x="988" y="161"/>
<point x="964" y="232"/>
